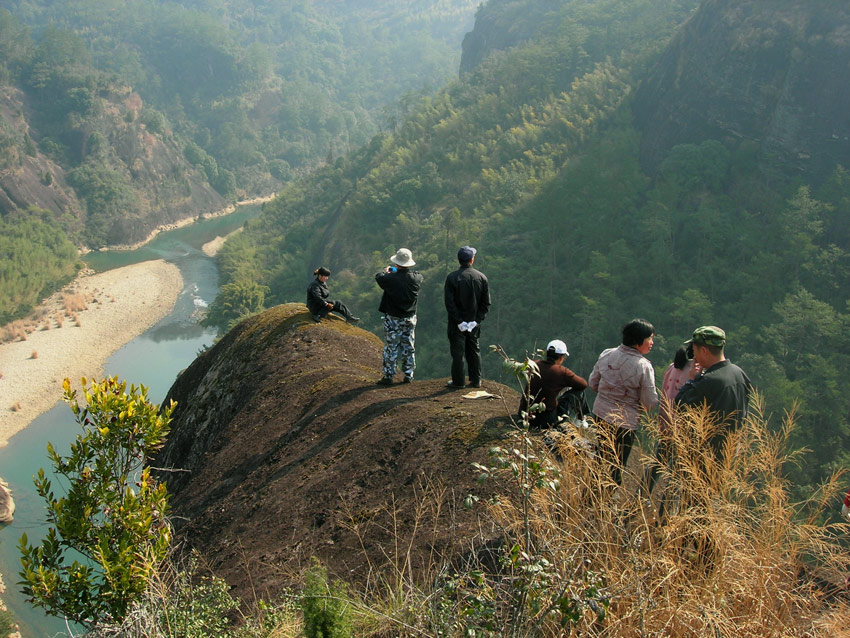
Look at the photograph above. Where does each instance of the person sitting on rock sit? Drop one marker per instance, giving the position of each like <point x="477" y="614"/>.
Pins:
<point x="317" y="299"/>
<point x="545" y="387"/>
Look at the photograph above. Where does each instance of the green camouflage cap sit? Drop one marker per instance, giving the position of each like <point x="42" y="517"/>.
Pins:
<point x="708" y="336"/>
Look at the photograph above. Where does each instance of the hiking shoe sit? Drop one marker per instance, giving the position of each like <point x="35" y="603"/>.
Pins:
<point x="455" y="386"/>
<point x="385" y="381"/>
<point x="474" y="384"/>
<point x="317" y="318"/>
<point x="353" y="320"/>
<point x="408" y="380"/>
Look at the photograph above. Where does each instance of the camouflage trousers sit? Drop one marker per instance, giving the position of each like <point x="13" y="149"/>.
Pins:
<point x="399" y="338"/>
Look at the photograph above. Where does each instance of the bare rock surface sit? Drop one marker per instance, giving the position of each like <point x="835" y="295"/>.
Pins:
<point x="7" y="503"/>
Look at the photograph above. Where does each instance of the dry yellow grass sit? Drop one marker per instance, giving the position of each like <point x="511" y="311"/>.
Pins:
<point x="13" y="331"/>
<point x="74" y="302"/>
<point x="732" y="557"/>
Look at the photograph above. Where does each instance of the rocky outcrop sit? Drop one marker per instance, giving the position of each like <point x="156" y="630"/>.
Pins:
<point x="284" y="448"/>
<point x="166" y="188"/>
<point x="497" y="27"/>
<point x="7" y="504"/>
<point x="771" y="74"/>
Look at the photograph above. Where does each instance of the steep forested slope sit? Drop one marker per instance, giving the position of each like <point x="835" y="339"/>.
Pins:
<point x="265" y="87"/>
<point x="463" y="159"/>
<point x="533" y="156"/>
<point x="771" y="74"/>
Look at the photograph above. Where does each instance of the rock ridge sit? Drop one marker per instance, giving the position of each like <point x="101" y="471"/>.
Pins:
<point x="287" y="449"/>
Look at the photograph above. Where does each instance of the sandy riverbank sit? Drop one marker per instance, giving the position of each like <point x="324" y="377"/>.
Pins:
<point x="211" y="248"/>
<point x="121" y="304"/>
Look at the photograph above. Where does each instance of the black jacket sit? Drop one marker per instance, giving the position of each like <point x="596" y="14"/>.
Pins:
<point x="401" y="292"/>
<point x="467" y="294"/>
<point x="317" y="297"/>
<point x="724" y="387"/>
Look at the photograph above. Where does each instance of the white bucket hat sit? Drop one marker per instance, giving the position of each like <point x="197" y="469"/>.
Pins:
<point x="558" y="346"/>
<point x="403" y="257"/>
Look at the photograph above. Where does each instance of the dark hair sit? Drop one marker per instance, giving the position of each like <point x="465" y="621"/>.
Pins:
<point x="715" y="351"/>
<point x="636" y="331"/>
<point x="321" y="270"/>
<point x="552" y="356"/>
<point x="680" y="359"/>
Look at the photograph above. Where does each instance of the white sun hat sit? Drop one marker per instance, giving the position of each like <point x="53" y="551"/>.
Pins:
<point x="403" y="257"/>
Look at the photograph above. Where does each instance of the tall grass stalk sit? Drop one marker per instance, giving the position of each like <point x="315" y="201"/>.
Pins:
<point x="732" y="556"/>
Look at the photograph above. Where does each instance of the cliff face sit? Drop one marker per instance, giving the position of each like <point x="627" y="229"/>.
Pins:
<point x="288" y="449"/>
<point x="167" y="187"/>
<point x="164" y="186"/>
<point x="28" y="177"/>
<point x="498" y="26"/>
<point x="775" y="74"/>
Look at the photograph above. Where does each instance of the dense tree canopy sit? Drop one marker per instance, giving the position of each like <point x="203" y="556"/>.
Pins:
<point x="35" y="257"/>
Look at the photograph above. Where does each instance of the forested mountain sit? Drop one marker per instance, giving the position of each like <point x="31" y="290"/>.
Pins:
<point x="117" y="116"/>
<point x="534" y="157"/>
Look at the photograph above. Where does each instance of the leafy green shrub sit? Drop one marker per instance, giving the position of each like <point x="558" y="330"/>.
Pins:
<point x="109" y="531"/>
<point x="154" y="121"/>
<point x="200" y="609"/>
<point x="327" y="613"/>
<point x="280" y="169"/>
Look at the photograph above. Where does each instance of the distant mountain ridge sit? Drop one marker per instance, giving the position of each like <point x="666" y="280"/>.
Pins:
<point x="775" y="75"/>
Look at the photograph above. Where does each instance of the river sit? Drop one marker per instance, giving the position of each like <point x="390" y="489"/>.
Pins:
<point x="153" y="359"/>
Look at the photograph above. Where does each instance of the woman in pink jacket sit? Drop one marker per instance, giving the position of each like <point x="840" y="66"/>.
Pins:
<point x="624" y="381"/>
<point x="675" y="376"/>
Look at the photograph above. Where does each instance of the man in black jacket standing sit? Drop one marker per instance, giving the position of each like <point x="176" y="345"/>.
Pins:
<point x="398" y="303"/>
<point x="467" y="294"/>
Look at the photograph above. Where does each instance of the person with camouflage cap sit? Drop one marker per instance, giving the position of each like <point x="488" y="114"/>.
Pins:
<point x="717" y="383"/>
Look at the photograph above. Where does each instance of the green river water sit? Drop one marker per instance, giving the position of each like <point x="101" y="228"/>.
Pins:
<point x="153" y="359"/>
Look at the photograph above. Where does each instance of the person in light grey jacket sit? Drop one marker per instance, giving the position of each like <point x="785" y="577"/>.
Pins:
<point x="624" y="381"/>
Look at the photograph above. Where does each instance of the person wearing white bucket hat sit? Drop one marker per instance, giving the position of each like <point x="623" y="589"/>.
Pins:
<point x="398" y="303"/>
